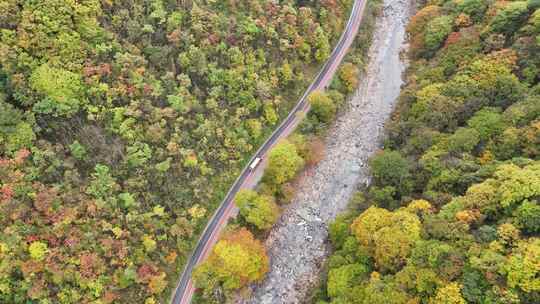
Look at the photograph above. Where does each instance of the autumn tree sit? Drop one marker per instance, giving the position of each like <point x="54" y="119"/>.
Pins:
<point x="436" y="32"/>
<point x="522" y="267"/>
<point x="235" y="261"/>
<point x="348" y="74"/>
<point x="122" y="122"/>
<point x="394" y="243"/>
<point x="368" y="223"/>
<point x="449" y="294"/>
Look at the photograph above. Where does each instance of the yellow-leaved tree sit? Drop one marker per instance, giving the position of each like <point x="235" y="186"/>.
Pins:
<point x="236" y="260"/>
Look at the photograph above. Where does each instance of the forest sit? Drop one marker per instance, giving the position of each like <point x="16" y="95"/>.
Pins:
<point x="122" y="125"/>
<point x="239" y="260"/>
<point x="452" y="215"/>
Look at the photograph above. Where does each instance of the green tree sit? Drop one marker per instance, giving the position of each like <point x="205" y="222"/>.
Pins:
<point x="77" y="150"/>
<point x="283" y="163"/>
<point x="382" y="291"/>
<point x="463" y="140"/>
<point x="15" y="132"/>
<point x="436" y="32"/>
<point x="138" y="154"/>
<point x="102" y="183"/>
<point x="344" y="278"/>
<point x="259" y="210"/>
<point x="389" y="168"/>
<point x="528" y="216"/>
<point x="22" y="137"/>
<point x="473" y="8"/>
<point x="339" y="231"/>
<point x="509" y="18"/>
<point x="488" y="122"/>
<point x="322" y="106"/>
<point x="62" y="90"/>
<point x="322" y="46"/>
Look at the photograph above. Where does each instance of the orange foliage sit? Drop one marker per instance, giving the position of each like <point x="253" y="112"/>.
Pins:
<point x="88" y="263"/>
<point x="486" y="157"/>
<point x="171" y="257"/>
<point x="145" y="273"/>
<point x="316" y="152"/>
<point x="463" y="20"/>
<point x="417" y="26"/>
<point x="44" y="197"/>
<point x="452" y="39"/>
<point x="330" y="4"/>
<point x="6" y="193"/>
<point x="508" y="57"/>
<point x="21" y="155"/>
<point x="37" y="290"/>
<point x="109" y="297"/>
<point x="420" y="20"/>
<point x="157" y="283"/>
<point x="349" y="75"/>
<point x="31" y="267"/>
<point x="468" y="216"/>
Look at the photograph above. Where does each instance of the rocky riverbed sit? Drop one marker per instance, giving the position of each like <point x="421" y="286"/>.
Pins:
<point x="298" y="245"/>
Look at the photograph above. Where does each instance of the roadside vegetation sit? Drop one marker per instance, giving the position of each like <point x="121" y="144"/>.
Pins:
<point x="122" y="125"/>
<point x="260" y="209"/>
<point x="452" y="215"/>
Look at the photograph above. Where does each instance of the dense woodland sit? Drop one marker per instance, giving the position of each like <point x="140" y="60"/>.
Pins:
<point x="239" y="258"/>
<point x="123" y="123"/>
<point x="452" y="215"/>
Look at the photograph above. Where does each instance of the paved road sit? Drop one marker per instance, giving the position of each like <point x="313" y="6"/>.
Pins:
<point x="247" y="179"/>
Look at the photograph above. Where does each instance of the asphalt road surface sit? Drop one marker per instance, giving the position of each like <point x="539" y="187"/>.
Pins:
<point x="247" y="179"/>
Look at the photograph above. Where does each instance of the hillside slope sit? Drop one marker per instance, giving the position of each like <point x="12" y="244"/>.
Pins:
<point x="122" y="123"/>
<point x="453" y="213"/>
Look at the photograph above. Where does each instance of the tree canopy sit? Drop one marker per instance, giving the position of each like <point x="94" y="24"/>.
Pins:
<point x="258" y="210"/>
<point x="236" y="260"/>
<point x="283" y="163"/>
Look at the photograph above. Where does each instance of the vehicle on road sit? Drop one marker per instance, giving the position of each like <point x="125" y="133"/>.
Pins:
<point x="185" y="287"/>
<point x="254" y="163"/>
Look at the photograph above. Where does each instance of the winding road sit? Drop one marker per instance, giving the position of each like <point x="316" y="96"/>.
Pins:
<point x="247" y="179"/>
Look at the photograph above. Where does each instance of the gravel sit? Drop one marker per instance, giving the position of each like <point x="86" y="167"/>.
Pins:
<point x="298" y="244"/>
